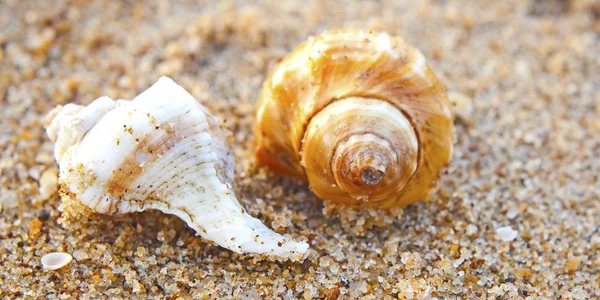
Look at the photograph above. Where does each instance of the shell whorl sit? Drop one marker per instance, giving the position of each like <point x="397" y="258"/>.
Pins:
<point x="367" y="150"/>
<point x="360" y="115"/>
<point x="161" y="150"/>
<point x="66" y="125"/>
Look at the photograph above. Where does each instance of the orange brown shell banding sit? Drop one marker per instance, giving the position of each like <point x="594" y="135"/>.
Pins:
<point x="366" y="93"/>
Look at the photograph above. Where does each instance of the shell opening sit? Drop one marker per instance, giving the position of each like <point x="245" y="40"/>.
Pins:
<point x="372" y="158"/>
<point x="373" y="172"/>
<point x="371" y="176"/>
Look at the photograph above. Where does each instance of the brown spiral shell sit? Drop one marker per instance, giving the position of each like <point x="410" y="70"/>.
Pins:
<point x="360" y="115"/>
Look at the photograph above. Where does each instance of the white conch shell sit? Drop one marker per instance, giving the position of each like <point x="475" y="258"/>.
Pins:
<point x="163" y="151"/>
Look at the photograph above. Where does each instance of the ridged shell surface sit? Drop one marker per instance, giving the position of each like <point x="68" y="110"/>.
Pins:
<point x="163" y="151"/>
<point x="360" y="115"/>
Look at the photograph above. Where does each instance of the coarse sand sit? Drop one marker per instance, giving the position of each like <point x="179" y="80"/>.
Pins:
<point x="516" y="214"/>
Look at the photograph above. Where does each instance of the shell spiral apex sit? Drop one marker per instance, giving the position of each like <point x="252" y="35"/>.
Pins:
<point x="161" y="150"/>
<point x="360" y="115"/>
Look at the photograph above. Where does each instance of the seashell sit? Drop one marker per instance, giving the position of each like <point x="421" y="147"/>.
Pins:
<point x="360" y="115"/>
<point x="56" y="260"/>
<point x="161" y="150"/>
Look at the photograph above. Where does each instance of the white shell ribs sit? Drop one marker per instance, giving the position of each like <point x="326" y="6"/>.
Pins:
<point x="161" y="150"/>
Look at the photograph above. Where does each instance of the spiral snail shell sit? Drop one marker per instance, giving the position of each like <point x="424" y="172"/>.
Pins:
<point x="161" y="150"/>
<point x="360" y="115"/>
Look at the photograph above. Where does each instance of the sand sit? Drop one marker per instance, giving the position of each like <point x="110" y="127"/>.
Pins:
<point x="516" y="214"/>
